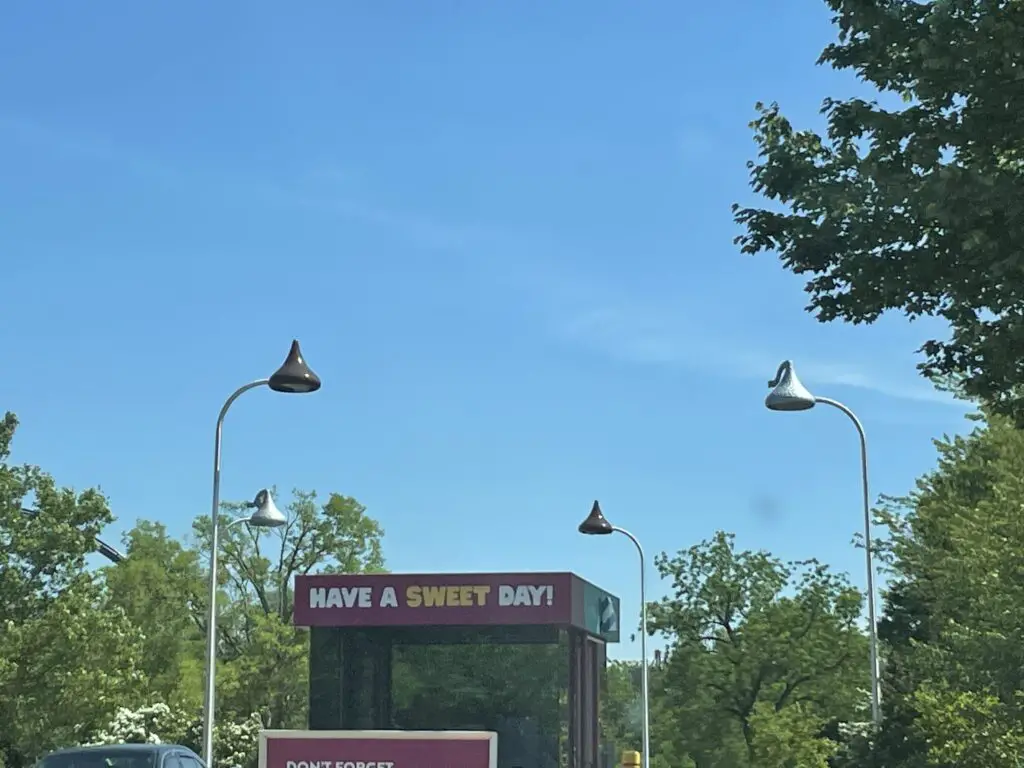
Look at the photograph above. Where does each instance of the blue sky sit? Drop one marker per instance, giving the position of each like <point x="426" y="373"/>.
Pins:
<point x="501" y="232"/>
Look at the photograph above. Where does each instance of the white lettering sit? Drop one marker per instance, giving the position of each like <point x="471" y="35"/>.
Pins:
<point x="339" y="597"/>
<point x="388" y="599"/>
<point x="523" y="595"/>
<point x="338" y="764"/>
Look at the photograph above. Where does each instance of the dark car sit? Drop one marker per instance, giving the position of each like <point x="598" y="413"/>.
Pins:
<point x="123" y="756"/>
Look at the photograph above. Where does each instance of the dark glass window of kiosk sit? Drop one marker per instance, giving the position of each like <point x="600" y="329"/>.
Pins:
<point x="502" y="680"/>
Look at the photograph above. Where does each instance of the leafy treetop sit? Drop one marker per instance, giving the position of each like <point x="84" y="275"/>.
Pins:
<point x="919" y="206"/>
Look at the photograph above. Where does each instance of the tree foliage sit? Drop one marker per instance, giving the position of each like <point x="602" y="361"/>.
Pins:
<point x="260" y="564"/>
<point x="953" y="622"/>
<point x="44" y="549"/>
<point x="621" y="713"/>
<point x="161" y="588"/>
<point x="63" y="658"/>
<point x="265" y="658"/>
<point x="914" y="204"/>
<point x="67" y="666"/>
<point x="88" y="653"/>
<point x="789" y="737"/>
<point x="762" y="654"/>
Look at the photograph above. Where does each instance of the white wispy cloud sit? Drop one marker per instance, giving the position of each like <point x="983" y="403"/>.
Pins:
<point x="652" y="337"/>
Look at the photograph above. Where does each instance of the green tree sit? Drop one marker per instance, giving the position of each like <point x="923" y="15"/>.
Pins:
<point x="762" y="654"/>
<point x="789" y="737"/>
<point x="621" y="713"/>
<point x="914" y="206"/>
<point x="953" y="620"/>
<point x="44" y="551"/>
<point x="264" y="658"/>
<point x="161" y="588"/>
<point x="65" y="658"/>
<point x="72" y="664"/>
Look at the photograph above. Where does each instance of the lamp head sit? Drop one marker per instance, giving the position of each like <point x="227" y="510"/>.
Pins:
<point x="267" y="515"/>
<point x="788" y="394"/>
<point x="596" y="524"/>
<point x="294" y="375"/>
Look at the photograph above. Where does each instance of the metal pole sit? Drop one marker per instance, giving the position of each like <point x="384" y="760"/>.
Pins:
<point x="211" y="619"/>
<point x="111" y="553"/>
<point x="645" y="697"/>
<point x="876" y="684"/>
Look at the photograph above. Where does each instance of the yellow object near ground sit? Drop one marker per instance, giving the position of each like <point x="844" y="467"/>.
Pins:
<point x="630" y="759"/>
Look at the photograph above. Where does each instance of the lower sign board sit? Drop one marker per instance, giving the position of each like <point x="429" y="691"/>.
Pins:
<point x="378" y="749"/>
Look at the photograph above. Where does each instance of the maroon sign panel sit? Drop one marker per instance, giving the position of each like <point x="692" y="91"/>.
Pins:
<point x="378" y="749"/>
<point x="445" y="599"/>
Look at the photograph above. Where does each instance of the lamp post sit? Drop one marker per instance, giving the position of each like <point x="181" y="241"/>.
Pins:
<point x="597" y="525"/>
<point x="789" y="394"/>
<point x="294" y="376"/>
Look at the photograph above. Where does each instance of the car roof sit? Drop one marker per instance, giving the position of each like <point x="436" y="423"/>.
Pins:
<point x="123" y="748"/>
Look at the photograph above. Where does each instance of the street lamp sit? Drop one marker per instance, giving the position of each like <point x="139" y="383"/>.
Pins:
<point x="267" y="515"/>
<point x="789" y="394"/>
<point x="597" y="525"/>
<point x="294" y="376"/>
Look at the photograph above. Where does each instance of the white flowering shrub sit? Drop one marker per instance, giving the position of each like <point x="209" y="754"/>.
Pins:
<point x="155" y="724"/>
<point x="234" y="743"/>
<point x="852" y="731"/>
<point x="855" y="744"/>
